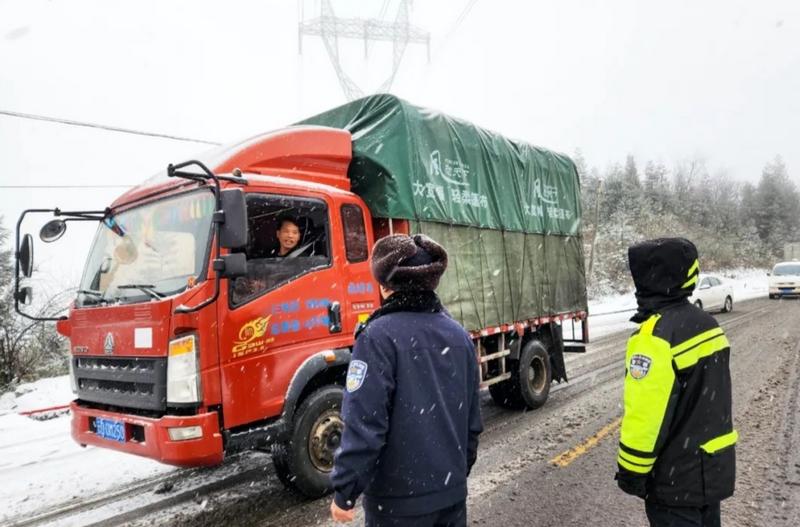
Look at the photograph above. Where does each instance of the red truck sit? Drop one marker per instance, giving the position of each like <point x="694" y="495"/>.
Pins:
<point x="191" y="338"/>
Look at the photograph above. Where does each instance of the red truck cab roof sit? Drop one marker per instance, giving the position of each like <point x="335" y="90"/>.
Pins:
<point x="315" y="155"/>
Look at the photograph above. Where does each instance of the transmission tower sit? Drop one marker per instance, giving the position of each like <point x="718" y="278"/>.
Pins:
<point x="331" y="28"/>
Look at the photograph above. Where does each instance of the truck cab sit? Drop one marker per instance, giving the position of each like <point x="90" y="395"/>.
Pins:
<point x="156" y="377"/>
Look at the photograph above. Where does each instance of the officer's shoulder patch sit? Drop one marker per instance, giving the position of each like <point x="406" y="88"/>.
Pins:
<point x="639" y="366"/>
<point x="355" y="375"/>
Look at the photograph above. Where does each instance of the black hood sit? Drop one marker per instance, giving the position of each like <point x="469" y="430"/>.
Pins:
<point x="665" y="273"/>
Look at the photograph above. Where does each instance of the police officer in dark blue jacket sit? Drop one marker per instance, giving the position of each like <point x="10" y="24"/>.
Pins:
<point x="411" y="408"/>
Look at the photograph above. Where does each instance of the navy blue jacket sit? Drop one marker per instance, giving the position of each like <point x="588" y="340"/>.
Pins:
<point x="412" y="416"/>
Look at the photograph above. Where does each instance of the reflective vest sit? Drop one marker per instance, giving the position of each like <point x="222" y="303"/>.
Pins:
<point x="678" y="427"/>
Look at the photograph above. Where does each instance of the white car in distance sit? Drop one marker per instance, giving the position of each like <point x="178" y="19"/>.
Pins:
<point x="712" y="294"/>
<point x="784" y="280"/>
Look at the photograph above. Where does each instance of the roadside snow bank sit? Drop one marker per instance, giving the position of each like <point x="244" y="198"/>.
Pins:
<point x="44" y="393"/>
<point x="41" y="466"/>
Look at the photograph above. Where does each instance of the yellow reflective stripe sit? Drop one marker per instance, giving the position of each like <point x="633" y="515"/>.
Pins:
<point x="718" y="443"/>
<point x="694" y="341"/>
<point x="647" y="397"/>
<point x="691" y="356"/>
<point x="695" y="267"/>
<point x="632" y="467"/>
<point x="690" y="281"/>
<point x="643" y="461"/>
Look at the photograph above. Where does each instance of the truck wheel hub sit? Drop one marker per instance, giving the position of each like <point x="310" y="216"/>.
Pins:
<point x="326" y="434"/>
<point x="536" y="375"/>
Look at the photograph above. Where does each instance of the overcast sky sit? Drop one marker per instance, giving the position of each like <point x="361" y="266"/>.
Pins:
<point x="667" y="81"/>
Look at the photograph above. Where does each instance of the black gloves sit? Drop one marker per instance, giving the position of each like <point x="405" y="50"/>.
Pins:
<point x="633" y="484"/>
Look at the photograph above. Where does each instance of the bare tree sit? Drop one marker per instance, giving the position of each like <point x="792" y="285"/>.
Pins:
<point x="28" y="348"/>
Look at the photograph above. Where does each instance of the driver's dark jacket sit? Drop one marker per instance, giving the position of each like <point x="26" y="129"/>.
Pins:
<point x="677" y="427"/>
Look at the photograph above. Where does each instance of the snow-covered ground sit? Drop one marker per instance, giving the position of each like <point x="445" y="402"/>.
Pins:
<point x="40" y="465"/>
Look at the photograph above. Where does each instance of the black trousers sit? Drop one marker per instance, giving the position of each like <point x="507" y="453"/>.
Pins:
<point x="665" y="516"/>
<point x="455" y="516"/>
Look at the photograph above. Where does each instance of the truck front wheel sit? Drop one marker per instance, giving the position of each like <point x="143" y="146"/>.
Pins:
<point x="305" y="462"/>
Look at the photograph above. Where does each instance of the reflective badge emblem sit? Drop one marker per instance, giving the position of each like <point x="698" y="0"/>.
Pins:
<point x="356" y="374"/>
<point x="640" y="366"/>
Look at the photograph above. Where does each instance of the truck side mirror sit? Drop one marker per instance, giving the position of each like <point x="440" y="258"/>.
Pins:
<point x="235" y="265"/>
<point x="233" y="233"/>
<point x="26" y="256"/>
<point x="53" y="230"/>
<point x="24" y="296"/>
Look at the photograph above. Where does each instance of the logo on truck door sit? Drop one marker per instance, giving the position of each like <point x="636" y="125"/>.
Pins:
<point x="251" y="337"/>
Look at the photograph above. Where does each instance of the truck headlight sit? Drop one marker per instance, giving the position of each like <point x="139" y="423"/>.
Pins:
<point x="183" y="373"/>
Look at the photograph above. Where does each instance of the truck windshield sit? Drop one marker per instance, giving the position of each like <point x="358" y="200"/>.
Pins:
<point x="148" y="252"/>
<point x="786" y="270"/>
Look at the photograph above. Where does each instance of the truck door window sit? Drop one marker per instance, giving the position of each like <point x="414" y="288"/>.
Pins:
<point x="355" y="235"/>
<point x="287" y="237"/>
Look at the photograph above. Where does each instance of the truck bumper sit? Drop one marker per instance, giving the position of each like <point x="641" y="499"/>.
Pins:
<point x="151" y="438"/>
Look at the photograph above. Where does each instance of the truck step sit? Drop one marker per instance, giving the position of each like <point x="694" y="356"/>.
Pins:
<point x="495" y="380"/>
<point x="492" y="356"/>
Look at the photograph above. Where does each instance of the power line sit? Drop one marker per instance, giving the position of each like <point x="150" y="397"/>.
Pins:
<point x="461" y="17"/>
<point x="71" y="122"/>
<point x="463" y="14"/>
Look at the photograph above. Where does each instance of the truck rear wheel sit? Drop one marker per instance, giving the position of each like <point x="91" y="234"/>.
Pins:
<point x="534" y="374"/>
<point x="305" y="462"/>
<point x="531" y="376"/>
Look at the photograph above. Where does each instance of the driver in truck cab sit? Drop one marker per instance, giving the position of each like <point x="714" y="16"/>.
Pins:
<point x="288" y="236"/>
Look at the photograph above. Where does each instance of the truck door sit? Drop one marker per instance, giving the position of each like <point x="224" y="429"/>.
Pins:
<point x="279" y="314"/>
<point x="361" y="290"/>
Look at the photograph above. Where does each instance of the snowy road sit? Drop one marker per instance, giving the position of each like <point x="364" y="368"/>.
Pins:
<point x="515" y="481"/>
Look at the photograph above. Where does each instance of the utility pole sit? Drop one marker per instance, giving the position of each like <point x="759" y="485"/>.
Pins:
<point x="332" y="28"/>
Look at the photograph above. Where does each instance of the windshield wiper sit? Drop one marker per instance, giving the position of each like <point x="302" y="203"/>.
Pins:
<point x="101" y="299"/>
<point x="145" y="288"/>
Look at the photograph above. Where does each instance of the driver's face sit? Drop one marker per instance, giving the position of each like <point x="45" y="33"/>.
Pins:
<point x="288" y="236"/>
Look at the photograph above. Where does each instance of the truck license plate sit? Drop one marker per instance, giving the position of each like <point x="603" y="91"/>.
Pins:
<point x="110" y="429"/>
<point x="787" y="289"/>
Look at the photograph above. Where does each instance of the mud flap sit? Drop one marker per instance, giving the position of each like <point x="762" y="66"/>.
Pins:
<point x="555" y="348"/>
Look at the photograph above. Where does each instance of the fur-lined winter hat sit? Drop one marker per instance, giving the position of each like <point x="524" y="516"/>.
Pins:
<point x="401" y="262"/>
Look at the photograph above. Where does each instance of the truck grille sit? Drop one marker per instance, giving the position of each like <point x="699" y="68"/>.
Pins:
<point x="122" y="381"/>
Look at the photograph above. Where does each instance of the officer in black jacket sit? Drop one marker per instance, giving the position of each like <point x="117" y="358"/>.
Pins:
<point x="411" y="409"/>
<point x="677" y="439"/>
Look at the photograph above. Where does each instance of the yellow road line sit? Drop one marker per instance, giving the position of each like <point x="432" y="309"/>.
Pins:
<point x="565" y="458"/>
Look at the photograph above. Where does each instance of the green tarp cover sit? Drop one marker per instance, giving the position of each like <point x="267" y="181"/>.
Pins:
<point x="496" y="277"/>
<point x="507" y="213"/>
<point x="418" y="164"/>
